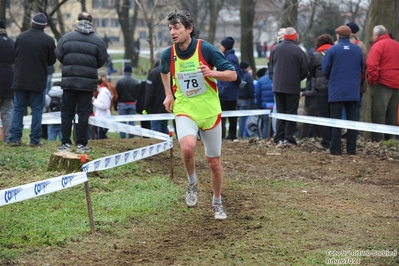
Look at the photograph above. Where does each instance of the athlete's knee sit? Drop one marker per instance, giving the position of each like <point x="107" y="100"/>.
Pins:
<point x="214" y="162"/>
<point x="187" y="146"/>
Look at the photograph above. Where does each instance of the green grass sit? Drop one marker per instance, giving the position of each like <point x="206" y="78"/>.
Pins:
<point x="117" y="195"/>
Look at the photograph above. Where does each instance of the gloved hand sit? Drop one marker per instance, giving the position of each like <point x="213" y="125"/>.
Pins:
<point x="144" y="112"/>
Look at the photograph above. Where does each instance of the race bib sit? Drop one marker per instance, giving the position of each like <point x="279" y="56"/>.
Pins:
<point x="191" y="83"/>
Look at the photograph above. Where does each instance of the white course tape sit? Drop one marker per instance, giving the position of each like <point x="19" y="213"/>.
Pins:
<point x="330" y="122"/>
<point x="39" y="188"/>
<point x="126" y="157"/>
<point x="55" y="118"/>
<point x="121" y="127"/>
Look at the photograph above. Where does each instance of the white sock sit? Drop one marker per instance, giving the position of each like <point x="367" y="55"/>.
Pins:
<point x="217" y="201"/>
<point x="192" y="179"/>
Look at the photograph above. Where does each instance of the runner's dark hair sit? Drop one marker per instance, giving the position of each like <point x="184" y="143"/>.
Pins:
<point x="183" y="17"/>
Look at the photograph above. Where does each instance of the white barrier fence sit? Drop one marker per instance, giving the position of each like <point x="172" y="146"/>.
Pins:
<point x="43" y="187"/>
<point x="39" y="188"/>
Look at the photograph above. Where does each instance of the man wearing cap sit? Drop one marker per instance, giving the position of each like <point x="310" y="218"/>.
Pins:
<point x="81" y="52"/>
<point x="127" y="89"/>
<point x="383" y="78"/>
<point x="288" y="67"/>
<point x="228" y="91"/>
<point x="342" y="65"/>
<point x="6" y="75"/>
<point x="34" y="51"/>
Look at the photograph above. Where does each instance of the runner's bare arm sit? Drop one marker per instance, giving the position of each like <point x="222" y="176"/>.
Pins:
<point x="226" y="75"/>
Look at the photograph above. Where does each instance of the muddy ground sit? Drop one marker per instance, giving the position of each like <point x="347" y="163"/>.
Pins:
<point x="285" y="207"/>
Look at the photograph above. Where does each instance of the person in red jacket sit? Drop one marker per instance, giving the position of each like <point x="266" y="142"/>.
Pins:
<point x="382" y="77"/>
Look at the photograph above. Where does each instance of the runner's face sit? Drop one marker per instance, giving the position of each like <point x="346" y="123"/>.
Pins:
<point x="179" y="33"/>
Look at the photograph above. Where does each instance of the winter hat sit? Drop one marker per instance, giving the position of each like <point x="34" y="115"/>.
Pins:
<point x="291" y="36"/>
<point x="127" y="69"/>
<point x="228" y="43"/>
<point x="244" y="65"/>
<point x="280" y="35"/>
<point x="40" y="19"/>
<point x="85" y="16"/>
<point x="2" y="26"/>
<point x="261" y="72"/>
<point x="343" y="30"/>
<point x="353" y="26"/>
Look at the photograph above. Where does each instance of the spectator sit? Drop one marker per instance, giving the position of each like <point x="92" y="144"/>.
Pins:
<point x="195" y="104"/>
<point x="228" y="91"/>
<point x="288" y="66"/>
<point x="102" y="104"/>
<point x="323" y="42"/>
<point x="6" y="76"/>
<point x="137" y="46"/>
<point x="264" y="98"/>
<point x="342" y="66"/>
<point x="310" y="108"/>
<point x="110" y="68"/>
<point x="140" y="103"/>
<point x="363" y="84"/>
<point x="50" y="72"/>
<point x="259" y="49"/>
<point x="154" y="96"/>
<point x="54" y="104"/>
<point x="279" y="39"/>
<point x="81" y="52"/>
<point x="107" y="41"/>
<point x="127" y="89"/>
<point x="245" y="95"/>
<point x="382" y="76"/>
<point x="34" y="51"/>
<point x="114" y="102"/>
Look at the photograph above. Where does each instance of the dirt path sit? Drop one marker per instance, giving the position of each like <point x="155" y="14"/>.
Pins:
<point x="284" y="207"/>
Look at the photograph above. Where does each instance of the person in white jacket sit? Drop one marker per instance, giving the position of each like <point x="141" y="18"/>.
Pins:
<point x="102" y="106"/>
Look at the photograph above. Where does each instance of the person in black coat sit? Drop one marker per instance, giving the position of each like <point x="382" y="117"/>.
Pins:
<point x="140" y="104"/>
<point x="288" y="66"/>
<point x="6" y="76"/>
<point x="127" y="88"/>
<point x="81" y="52"/>
<point x="154" y="97"/>
<point x="34" y="51"/>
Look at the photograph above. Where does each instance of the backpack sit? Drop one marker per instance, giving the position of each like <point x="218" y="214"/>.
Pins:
<point x="55" y="104"/>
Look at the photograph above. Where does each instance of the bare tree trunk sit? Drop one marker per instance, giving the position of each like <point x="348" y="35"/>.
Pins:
<point x="149" y="19"/>
<point x="26" y="22"/>
<point x="200" y="11"/>
<point x="122" y="9"/>
<point x="290" y="15"/>
<point x="247" y="15"/>
<point x="381" y="12"/>
<point x="313" y="5"/>
<point x="60" y="22"/>
<point x="51" y="22"/>
<point x="3" y="10"/>
<point x="214" y="8"/>
<point x="133" y="23"/>
<point x="83" y="4"/>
